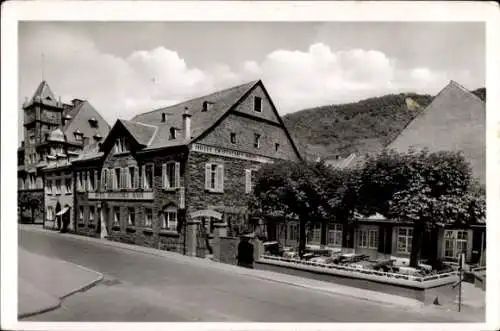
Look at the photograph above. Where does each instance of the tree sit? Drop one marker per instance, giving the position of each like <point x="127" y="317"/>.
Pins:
<point x="426" y="188"/>
<point x="291" y="190"/>
<point x="312" y="193"/>
<point x="31" y="203"/>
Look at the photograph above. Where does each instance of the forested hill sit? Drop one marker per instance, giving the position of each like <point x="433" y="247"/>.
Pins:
<point x="364" y="126"/>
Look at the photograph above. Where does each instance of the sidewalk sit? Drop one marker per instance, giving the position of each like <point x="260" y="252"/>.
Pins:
<point x="334" y="289"/>
<point x="43" y="282"/>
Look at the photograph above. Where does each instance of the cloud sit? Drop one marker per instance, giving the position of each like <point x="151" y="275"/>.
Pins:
<point x="121" y="87"/>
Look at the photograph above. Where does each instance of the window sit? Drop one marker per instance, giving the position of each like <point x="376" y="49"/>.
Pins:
<point x="131" y="216"/>
<point x="281" y="231"/>
<point x="132" y="173"/>
<point x="293" y="233"/>
<point x="58" y="186"/>
<point x="118" y="178"/>
<point x="147" y="177"/>
<point x="91" y="214"/>
<point x="257" y="104"/>
<point x="171" y="175"/>
<point x="172" y="134"/>
<point x="455" y="242"/>
<point x="276" y="147"/>
<point x="50" y="214"/>
<point x="256" y="140"/>
<point x="335" y="235"/>
<point x="405" y="236"/>
<point x="63" y="186"/>
<point x="48" y="187"/>
<point x="21" y="184"/>
<point x="248" y="180"/>
<point x="80" y="214"/>
<point x="233" y="138"/>
<point x="148" y="217"/>
<point x="104" y="179"/>
<point x="121" y="145"/>
<point x="84" y="181"/>
<point x="368" y="238"/>
<point x="116" y="216"/>
<point x="91" y="181"/>
<point x="170" y="219"/>
<point x="69" y="187"/>
<point x="163" y="117"/>
<point x="316" y="233"/>
<point x="214" y="177"/>
<point x="79" y="185"/>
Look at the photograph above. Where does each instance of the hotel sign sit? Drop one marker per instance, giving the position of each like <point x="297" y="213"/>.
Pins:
<point x="120" y="195"/>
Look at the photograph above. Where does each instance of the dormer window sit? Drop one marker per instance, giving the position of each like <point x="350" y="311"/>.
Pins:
<point x="93" y="122"/>
<point x="172" y="133"/>
<point x="78" y="135"/>
<point x="207" y="105"/>
<point x="163" y="117"/>
<point x="257" y="104"/>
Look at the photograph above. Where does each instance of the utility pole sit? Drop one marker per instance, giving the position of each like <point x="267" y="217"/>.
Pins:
<point x="461" y="264"/>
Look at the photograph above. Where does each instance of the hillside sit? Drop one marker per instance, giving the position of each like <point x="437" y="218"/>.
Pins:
<point x="364" y="126"/>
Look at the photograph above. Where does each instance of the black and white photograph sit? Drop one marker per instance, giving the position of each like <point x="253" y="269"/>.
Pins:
<point x="237" y="170"/>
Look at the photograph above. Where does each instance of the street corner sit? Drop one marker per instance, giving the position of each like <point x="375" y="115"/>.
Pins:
<point x="56" y="278"/>
<point x="32" y="301"/>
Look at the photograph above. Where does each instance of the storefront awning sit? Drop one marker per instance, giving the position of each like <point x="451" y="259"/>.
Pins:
<point x="61" y="212"/>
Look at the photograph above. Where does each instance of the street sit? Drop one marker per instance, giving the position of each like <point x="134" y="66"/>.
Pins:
<point x="141" y="287"/>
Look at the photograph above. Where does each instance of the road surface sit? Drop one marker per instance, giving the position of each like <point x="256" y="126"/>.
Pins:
<point x="140" y="287"/>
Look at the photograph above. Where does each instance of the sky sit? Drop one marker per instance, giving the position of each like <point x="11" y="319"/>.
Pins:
<point x="126" y="68"/>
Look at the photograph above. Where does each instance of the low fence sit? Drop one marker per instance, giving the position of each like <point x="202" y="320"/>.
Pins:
<point x="372" y="275"/>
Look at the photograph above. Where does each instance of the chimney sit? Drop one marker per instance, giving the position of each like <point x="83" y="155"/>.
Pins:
<point x="186" y="119"/>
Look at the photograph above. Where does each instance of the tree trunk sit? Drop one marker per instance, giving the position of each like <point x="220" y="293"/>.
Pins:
<point x="324" y="229"/>
<point x="302" y="236"/>
<point x="416" y="243"/>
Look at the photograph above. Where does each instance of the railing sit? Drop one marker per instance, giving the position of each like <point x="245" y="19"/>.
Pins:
<point x="361" y="271"/>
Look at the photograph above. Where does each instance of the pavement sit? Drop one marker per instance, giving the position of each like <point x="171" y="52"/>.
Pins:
<point x="44" y="282"/>
<point x="144" y="284"/>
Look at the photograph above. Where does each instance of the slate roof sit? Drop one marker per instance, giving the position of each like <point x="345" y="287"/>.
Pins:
<point x="455" y="121"/>
<point x="81" y="114"/>
<point x="89" y="152"/>
<point x="142" y="133"/>
<point x="201" y="121"/>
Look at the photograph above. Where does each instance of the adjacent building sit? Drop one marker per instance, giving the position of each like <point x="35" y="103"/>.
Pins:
<point x="54" y="134"/>
<point x="194" y="161"/>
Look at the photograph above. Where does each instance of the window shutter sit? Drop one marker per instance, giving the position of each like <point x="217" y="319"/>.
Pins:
<point x="136" y="177"/>
<point x="78" y="181"/>
<point x="143" y="177"/>
<point x="220" y="178"/>
<point x="177" y="174"/>
<point x="124" y="178"/>
<point x="103" y="180"/>
<point x="164" y="179"/>
<point x="89" y="182"/>
<point x="248" y="180"/>
<point x="114" y="184"/>
<point x="109" y="178"/>
<point x="207" y="175"/>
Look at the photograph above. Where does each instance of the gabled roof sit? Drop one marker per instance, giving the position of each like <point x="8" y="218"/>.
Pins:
<point x="81" y="114"/>
<point x="142" y="133"/>
<point x="222" y="101"/>
<point x="454" y="121"/>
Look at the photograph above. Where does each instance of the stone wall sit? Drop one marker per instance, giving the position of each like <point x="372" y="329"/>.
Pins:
<point x="228" y="250"/>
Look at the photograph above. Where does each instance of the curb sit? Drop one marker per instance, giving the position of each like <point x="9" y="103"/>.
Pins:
<point x="77" y="289"/>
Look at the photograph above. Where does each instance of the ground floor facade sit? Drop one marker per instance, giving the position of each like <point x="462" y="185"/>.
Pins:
<point x="59" y="199"/>
<point x="384" y="240"/>
<point x="31" y="203"/>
